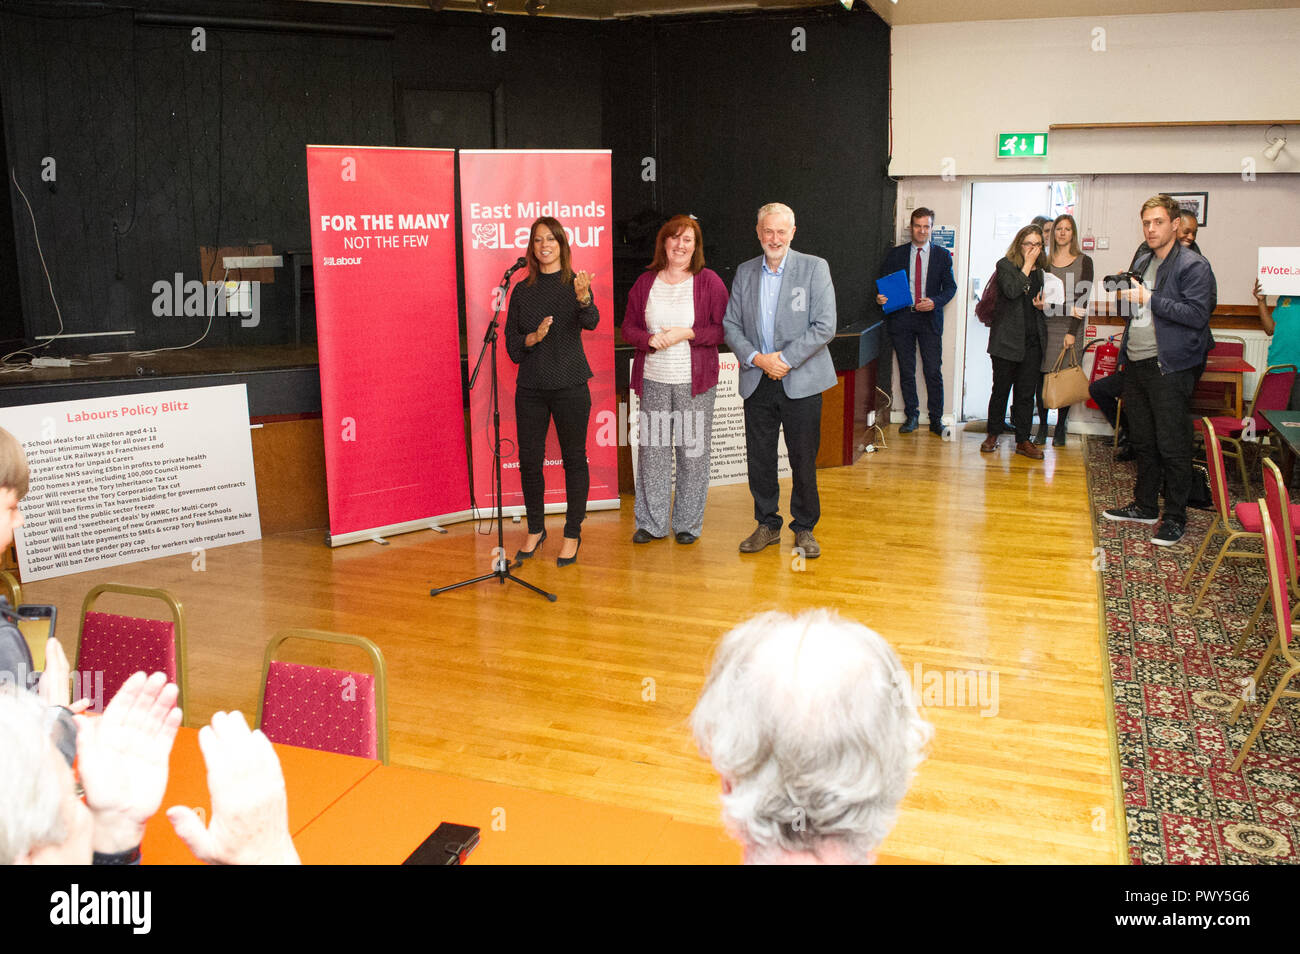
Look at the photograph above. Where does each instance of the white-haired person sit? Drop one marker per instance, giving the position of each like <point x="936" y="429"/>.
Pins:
<point x="122" y="761"/>
<point x="811" y="723"/>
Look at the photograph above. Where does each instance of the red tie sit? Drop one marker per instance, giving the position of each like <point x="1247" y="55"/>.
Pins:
<point x="917" y="294"/>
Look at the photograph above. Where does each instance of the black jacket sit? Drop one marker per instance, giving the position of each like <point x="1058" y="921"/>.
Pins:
<point x="1016" y="312"/>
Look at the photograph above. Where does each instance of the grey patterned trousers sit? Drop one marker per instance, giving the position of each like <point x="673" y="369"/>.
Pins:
<point x="672" y="425"/>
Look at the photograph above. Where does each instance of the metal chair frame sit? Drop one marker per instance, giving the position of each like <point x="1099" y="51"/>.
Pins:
<point x="149" y="592"/>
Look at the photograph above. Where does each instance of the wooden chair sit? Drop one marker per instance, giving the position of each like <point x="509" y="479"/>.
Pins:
<point x="1273" y="394"/>
<point x="10" y="588"/>
<point x="1286" y="517"/>
<point x="118" y="646"/>
<point x="1276" y="561"/>
<point x="1247" y="515"/>
<point x="331" y="710"/>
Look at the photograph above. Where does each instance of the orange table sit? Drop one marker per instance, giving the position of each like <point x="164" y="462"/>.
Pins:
<point x="1228" y="369"/>
<point x="314" y="780"/>
<point x="386" y="816"/>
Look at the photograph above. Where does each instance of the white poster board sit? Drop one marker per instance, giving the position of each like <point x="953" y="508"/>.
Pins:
<point x="1279" y="271"/>
<point x="123" y="479"/>
<point x="727" y="462"/>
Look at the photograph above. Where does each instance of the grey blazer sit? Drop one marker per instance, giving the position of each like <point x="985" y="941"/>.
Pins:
<point x="805" y="323"/>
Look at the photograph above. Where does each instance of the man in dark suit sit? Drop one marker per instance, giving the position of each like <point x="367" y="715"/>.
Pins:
<point x="779" y="319"/>
<point x="929" y="276"/>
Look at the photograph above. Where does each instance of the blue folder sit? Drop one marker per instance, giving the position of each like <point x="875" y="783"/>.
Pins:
<point x="894" y="288"/>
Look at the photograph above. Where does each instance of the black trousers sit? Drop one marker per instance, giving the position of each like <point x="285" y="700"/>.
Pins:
<point x="1023" y="375"/>
<point x="1107" y="392"/>
<point x="767" y="410"/>
<point x="911" y="330"/>
<point x="571" y="410"/>
<point x="1156" y="406"/>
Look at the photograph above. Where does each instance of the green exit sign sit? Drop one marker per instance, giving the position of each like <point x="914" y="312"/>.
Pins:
<point x="1022" y="145"/>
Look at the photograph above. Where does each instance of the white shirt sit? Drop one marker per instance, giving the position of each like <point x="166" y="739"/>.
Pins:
<point x="670" y="306"/>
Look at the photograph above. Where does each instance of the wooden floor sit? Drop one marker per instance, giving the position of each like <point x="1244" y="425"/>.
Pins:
<point x="963" y="561"/>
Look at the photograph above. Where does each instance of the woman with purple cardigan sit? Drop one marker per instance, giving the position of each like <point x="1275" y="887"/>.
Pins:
<point x="674" y="320"/>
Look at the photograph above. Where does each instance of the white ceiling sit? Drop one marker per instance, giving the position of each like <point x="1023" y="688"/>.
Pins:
<point x="896" y="14"/>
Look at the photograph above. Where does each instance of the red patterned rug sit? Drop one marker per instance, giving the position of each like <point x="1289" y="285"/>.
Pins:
<point x="1174" y="681"/>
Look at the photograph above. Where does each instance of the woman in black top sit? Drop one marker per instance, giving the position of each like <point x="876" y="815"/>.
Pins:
<point x="544" y="337"/>
<point x="1017" y="339"/>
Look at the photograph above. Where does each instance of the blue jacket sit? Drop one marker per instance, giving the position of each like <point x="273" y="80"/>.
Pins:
<point x="940" y="285"/>
<point x="1181" y="304"/>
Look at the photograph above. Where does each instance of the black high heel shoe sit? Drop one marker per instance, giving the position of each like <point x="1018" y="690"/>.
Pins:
<point x="565" y="561"/>
<point x="522" y="555"/>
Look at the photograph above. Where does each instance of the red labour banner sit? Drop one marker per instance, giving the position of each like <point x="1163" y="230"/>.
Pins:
<point x="502" y="192"/>
<point x="384" y="262"/>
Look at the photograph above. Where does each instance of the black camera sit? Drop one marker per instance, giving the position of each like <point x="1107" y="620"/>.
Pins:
<point x="1121" y="281"/>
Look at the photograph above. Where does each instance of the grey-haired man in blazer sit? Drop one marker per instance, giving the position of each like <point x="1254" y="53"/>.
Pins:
<point x="778" y="322"/>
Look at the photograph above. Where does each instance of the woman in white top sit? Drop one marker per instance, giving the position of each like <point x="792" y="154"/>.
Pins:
<point x="674" y="320"/>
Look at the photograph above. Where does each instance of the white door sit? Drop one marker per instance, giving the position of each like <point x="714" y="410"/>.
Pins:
<point x="998" y="211"/>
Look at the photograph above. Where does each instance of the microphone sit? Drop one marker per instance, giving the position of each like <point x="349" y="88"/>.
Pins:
<point x="521" y="262"/>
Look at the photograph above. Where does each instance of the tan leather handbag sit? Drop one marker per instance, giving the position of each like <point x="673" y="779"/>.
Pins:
<point x="1063" y="386"/>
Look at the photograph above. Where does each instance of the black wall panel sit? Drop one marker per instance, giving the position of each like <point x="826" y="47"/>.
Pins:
<point x="160" y="149"/>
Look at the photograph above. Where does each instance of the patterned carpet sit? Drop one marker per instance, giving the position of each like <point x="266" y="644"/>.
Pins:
<point x="1174" y="681"/>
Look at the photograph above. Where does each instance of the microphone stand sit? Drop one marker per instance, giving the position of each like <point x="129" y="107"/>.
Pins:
<point x="500" y="564"/>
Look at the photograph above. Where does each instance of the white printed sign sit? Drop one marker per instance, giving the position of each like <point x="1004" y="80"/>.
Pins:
<point x="123" y="479"/>
<point x="727" y="461"/>
<point x="1279" y="271"/>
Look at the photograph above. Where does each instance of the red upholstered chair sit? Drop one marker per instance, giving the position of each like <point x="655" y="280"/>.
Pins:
<point x="1285" y="516"/>
<point x="118" y="646"/>
<point x="1274" y="557"/>
<point x="1247" y="515"/>
<point x="1273" y="394"/>
<point x="332" y="710"/>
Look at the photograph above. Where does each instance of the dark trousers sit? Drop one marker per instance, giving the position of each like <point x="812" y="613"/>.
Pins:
<point x="1024" y="376"/>
<point x="767" y="410"/>
<point x="1107" y="392"/>
<point x="571" y="410"/>
<point x="1156" y="406"/>
<point x="910" y="330"/>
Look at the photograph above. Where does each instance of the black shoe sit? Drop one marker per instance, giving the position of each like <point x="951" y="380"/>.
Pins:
<point x="522" y="555"/>
<point x="1041" y="437"/>
<point x="685" y="537"/>
<point x="936" y="428"/>
<point x="643" y="536"/>
<point x="1058" y="436"/>
<point x="1169" y="532"/>
<point x="1134" y="514"/>
<point x="566" y="561"/>
<point x="911" y="424"/>
<point x="1125" y="453"/>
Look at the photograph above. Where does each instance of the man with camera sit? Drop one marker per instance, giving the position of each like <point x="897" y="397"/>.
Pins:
<point x="1168" y="294"/>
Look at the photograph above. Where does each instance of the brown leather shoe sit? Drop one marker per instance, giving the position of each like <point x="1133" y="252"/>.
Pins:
<point x="805" y="541"/>
<point x="1028" y="449"/>
<point x="761" y="538"/>
<point x="990" y="444"/>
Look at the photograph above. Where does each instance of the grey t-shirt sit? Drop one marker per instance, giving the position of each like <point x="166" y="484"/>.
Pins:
<point x="1142" y="329"/>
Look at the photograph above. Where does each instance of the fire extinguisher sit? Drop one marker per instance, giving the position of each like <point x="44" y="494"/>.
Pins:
<point x="1105" y="358"/>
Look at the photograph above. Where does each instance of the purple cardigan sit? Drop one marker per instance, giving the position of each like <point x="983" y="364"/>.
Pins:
<point x="710" y="304"/>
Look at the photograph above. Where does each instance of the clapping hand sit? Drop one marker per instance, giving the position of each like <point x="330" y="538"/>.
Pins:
<point x="582" y="287"/>
<point x="250" y="812"/>
<point x="122" y="758"/>
<point x="54" y="688"/>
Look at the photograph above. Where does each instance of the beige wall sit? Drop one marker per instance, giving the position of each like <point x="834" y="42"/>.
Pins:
<point x="957" y="85"/>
